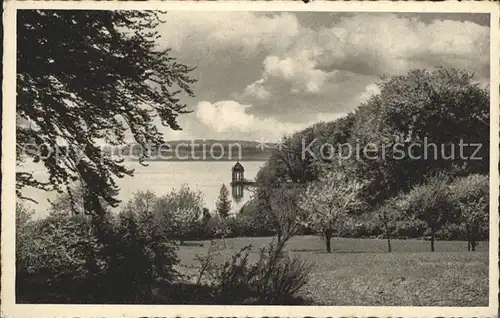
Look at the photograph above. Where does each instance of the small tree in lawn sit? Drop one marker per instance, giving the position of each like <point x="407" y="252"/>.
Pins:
<point x="430" y="202"/>
<point x="328" y="202"/>
<point x="474" y="215"/>
<point x="223" y="204"/>
<point x="181" y="211"/>
<point x="386" y="214"/>
<point x="286" y="214"/>
<point x="471" y="194"/>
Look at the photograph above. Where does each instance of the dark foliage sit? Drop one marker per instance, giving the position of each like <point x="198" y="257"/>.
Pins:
<point x="274" y="279"/>
<point x="223" y="204"/>
<point x="64" y="260"/>
<point x="87" y="75"/>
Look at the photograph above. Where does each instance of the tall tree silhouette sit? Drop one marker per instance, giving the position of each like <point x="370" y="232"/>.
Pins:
<point x="223" y="204"/>
<point x="85" y="77"/>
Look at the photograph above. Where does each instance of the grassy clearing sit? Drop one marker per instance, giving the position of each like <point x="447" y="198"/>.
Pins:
<point x="361" y="272"/>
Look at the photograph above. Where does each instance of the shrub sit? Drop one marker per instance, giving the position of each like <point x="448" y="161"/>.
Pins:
<point x="274" y="279"/>
<point x="25" y="229"/>
<point x="452" y="232"/>
<point x="180" y="212"/>
<point x="65" y="259"/>
<point x="59" y="261"/>
<point x="250" y="225"/>
<point x="137" y="258"/>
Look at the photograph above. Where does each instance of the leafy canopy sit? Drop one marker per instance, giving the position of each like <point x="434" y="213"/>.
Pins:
<point x="329" y="201"/>
<point x="86" y="78"/>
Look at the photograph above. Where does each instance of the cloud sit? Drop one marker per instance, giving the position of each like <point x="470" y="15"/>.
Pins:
<point x="300" y="71"/>
<point x="257" y="90"/>
<point x="370" y="90"/>
<point x="262" y="70"/>
<point x="244" y="33"/>
<point x="230" y="118"/>
<point x="333" y="65"/>
<point x="381" y="43"/>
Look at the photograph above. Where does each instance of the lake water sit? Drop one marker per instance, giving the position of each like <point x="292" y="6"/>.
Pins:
<point x="161" y="177"/>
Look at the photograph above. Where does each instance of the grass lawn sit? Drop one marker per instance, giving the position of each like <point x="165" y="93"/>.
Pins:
<point x="360" y="272"/>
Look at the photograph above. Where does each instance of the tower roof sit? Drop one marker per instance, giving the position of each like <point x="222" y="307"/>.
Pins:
<point x="238" y="167"/>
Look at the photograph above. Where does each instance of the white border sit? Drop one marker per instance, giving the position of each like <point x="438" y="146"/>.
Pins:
<point x="10" y="309"/>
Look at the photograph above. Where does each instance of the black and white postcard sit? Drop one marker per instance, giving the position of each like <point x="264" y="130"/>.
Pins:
<point x="196" y="159"/>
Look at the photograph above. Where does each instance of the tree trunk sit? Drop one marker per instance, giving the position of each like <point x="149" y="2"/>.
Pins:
<point x="473" y="242"/>
<point x="387" y="234"/>
<point x="224" y="241"/>
<point x="467" y="236"/>
<point x="328" y="237"/>
<point x="432" y="242"/>
<point x="473" y="230"/>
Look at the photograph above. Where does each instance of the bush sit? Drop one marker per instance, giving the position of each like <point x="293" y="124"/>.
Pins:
<point x="58" y="261"/>
<point x="180" y="212"/>
<point x="67" y="259"/>
<point x="452" y="232"/>
<point x="25" y="229"/>
<point x="137" y="257"/>
<point x="274" y="279"/>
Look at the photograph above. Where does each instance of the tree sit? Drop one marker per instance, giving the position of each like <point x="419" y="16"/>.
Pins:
<point x="328" y="202"/>
<point x="180" y="212"/>
<point x="276" y="196"/>
<point x="474" y="216"/>
<point x="299" y="156"/>
<point x="85" y="77"/>
<point x="206" y="217"/>
<point x="139" y="253"/>
<point x="223" y="207"/>
<point x="142" y="208"/>
<point x="285" y="213"/>
<point x="254" y="217"/>
<point x="388" y="213"/>
<point x="223" y="204"/>
<point x="431" y="202"/>
<point x="73" y="202"/>
<point x="222" y="228"/>
<point x="421" y="113"/>
<point x="289" y="161"/>
<point x="471" y="196"/>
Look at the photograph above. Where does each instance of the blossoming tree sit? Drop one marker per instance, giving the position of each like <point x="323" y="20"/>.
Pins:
<point x="328" y="202"/>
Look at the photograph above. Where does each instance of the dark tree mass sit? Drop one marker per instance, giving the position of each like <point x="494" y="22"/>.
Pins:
<point x="83" y="79"/>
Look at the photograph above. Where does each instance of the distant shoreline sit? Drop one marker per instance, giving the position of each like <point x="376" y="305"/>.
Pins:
<point x="202" y="151"/>
<point x="198" y="160"/>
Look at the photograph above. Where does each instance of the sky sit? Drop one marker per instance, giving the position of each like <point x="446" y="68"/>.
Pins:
<point x="263" y="75"/>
